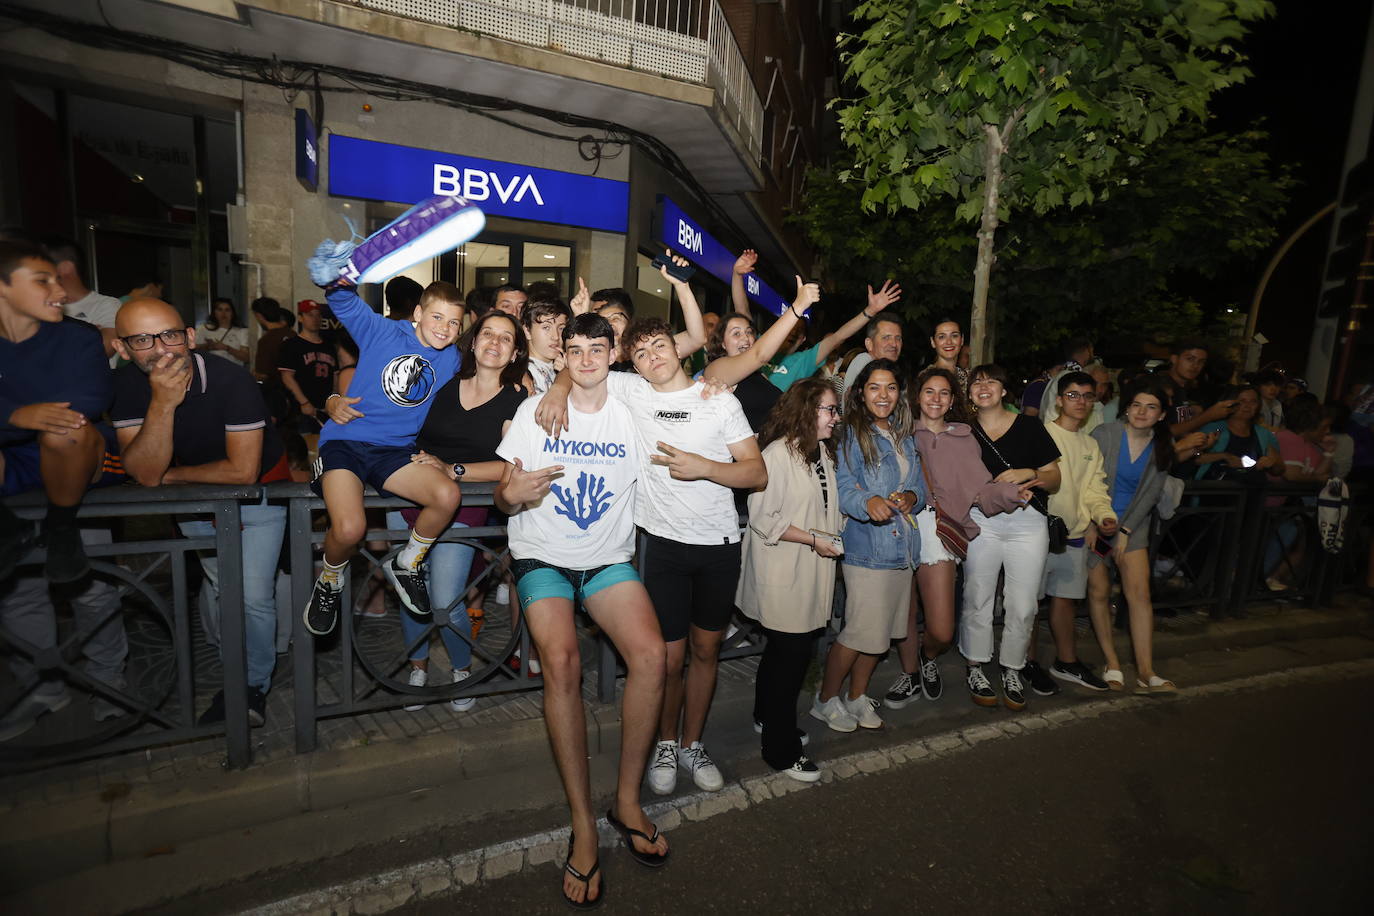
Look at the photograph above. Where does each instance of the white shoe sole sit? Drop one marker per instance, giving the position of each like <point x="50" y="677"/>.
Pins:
<point x="1070" y="679"/>
<point x="802" y="776"/>
<point x="901" y="704"/>
<point x="835" y="725"/>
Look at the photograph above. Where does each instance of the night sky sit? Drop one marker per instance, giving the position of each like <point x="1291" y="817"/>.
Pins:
<point x="1307" y="65"/>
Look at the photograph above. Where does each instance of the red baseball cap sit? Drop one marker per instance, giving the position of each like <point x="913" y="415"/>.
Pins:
<point x="307" y="305"/>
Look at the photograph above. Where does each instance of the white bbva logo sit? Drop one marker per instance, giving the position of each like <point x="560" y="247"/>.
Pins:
<point x="688" y="237"/>
<point x="475" y="184"/>
<point x="753" y="284"/>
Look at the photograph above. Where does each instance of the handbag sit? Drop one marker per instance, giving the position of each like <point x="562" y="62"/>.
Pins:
<point x="950" y="533"/>
<point x="1058" y="531"/>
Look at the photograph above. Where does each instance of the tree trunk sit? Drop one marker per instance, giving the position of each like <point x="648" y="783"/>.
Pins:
<point x="980" y="345"/>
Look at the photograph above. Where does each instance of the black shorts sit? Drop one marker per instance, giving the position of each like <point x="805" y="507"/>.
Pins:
<point x="372" y="464"/>
<point x="691" y="585"/>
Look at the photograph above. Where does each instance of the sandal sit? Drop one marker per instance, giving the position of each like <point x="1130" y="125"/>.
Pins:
<point x="1156" y="684"/>
<point x="583" y="904"/>
<point x="649" y="859"/>
<point x="1114" y="678"/>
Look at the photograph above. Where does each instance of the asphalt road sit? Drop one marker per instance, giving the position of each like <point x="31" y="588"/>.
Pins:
<point x="1255" y="802"/>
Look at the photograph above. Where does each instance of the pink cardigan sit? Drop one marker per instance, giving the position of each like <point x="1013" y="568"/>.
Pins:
<point x="958" y="476"/>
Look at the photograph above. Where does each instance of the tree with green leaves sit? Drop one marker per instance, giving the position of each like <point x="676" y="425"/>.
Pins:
<point x="1006" y="105"/>
<point x="1149" y="262"/>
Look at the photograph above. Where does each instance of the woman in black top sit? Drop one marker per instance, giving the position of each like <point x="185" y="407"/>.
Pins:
<point x="1015" y="448"/>
<point x="466" y="423"/>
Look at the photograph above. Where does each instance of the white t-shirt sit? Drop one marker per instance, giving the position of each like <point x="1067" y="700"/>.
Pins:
<point x="230" y="337"/>
<point x="97" y="309"/>
<point x="587" y="520"/>
<point x="542" y="374"/>
<point x="686" y="511"/>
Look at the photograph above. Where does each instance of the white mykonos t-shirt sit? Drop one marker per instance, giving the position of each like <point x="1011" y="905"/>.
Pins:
<point x="686" y="511"/>
<point x="587" y="518"/>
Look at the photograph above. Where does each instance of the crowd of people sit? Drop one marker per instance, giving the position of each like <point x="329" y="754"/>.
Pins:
<point x="934" y="492"/>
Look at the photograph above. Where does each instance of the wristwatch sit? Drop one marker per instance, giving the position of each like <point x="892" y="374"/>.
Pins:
<point x="458" y="470"/>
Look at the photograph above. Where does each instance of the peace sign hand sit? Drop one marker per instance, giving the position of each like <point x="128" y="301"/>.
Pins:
<point x="525" y="487"/>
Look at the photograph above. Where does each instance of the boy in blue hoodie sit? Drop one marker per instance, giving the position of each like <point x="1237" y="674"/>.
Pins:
<point x="401" y="364"/>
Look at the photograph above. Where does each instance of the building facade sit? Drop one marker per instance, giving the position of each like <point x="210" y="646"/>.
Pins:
<point x="213" y="143"/>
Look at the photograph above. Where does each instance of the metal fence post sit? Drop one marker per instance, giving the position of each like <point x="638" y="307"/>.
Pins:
<point x="302" y="641"/>
<point x="229" y="550"/>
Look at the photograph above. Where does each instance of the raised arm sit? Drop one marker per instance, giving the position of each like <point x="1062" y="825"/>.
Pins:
<point x="693" y="334"/>
<point x="744" y="265"/>
<point x="731" y="370"/>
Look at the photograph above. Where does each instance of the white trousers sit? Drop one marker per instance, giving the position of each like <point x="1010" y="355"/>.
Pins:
<point x="1017" y="542"/>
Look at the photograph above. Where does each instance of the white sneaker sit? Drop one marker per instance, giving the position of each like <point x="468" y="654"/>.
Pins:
<point x="705" y="774"/>
<point x="503" y="594"/>
<point x="465" y="703"/>
<point x="833" y="713"/>
<point x="663" y="769"/>
<point x="864" y="710"/>
<point x="419" y="677"/>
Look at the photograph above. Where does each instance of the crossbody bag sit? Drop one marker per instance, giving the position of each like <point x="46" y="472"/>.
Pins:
<point x="1059" y="532"/>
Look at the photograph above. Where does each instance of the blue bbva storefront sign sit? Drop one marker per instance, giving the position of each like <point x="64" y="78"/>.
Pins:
<point x="680" y="232"/>
<point x="407" y="174"/>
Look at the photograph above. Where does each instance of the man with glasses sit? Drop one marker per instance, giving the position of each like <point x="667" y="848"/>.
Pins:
<point x="1082" y="502"/>
<point x="182" y="418"/>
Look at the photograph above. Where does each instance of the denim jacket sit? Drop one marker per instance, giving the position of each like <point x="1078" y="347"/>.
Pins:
<point x="879" y="545"/>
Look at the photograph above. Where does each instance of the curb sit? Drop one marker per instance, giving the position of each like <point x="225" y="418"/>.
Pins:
<point x="392" y="889"/>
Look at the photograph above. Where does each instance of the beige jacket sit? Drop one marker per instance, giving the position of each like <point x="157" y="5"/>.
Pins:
<point x="786" y="586"/>
<point x="1082" y="495"/>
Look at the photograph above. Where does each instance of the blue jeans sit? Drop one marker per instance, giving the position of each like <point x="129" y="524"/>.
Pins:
<point x="263" y="529"/>
<point x="449" y="565"/>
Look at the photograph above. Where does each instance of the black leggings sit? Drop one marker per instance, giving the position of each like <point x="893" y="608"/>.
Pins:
<point x="781" y="672"/>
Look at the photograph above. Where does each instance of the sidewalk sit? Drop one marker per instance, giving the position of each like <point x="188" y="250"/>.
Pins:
<point x="387" y="789"/>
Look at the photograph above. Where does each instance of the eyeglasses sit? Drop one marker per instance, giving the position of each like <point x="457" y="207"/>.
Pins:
<point x="831" y="409"/>
<point x="1086" y="397"/>
<point x="172" y="337"/>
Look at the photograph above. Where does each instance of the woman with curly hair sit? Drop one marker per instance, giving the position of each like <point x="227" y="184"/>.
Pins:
<point x="787" y="579"/>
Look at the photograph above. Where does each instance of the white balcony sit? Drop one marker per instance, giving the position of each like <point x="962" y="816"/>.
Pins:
<point x="688" y="40"/>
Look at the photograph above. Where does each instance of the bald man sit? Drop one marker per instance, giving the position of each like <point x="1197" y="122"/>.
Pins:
<point x="187" y="417"/>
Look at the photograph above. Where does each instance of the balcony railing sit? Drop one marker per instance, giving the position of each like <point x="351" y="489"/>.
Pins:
<point x="689" y="40"/>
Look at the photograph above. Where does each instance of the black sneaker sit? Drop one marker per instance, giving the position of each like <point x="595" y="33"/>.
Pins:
<point x="322" y="613"/>
<point x="980" y="690"/>
<point x="804" y="770"/>
<point x="931" y="685"/>
<point x="16" y="541"/>
<point x="257" y="709"/>
<point x="1077" y="673"/>
<point x="906" y="689"/>
<point x="1039" y="681"/>
<point x="1013" y="694"/>
<point x="66" y="556"/>
<point x="410" y="586"/>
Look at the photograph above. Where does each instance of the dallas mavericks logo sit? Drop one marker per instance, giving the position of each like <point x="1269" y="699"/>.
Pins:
<point x="408" y="380"/>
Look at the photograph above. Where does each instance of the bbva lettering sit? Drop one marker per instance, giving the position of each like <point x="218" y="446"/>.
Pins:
<point x="753" y="283"/>
<point x="475" y="184"/>
<point x="688" y="237"/>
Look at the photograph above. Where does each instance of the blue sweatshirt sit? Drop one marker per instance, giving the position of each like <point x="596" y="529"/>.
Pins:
<point x="64" y="361"/>
<point x="396" y="376"/>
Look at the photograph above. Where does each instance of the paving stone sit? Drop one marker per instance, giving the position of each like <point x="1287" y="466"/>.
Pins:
<point x="873" y="763"/>
<point x="433" y="884"/>
<point x="466" y="867"/>
<point x="980" y="733"/>
<point x="384" y="899"/>
<point x="1032" y="723"/>
<point x="758" y="788"/>
<point x="944" y="742"/>
<point x="505" y="864"/>
<point x="552" y="851"/>
<point x="843" y="769"/>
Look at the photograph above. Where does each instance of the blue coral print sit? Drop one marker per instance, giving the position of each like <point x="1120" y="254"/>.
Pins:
<point x="590" y="503"/>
